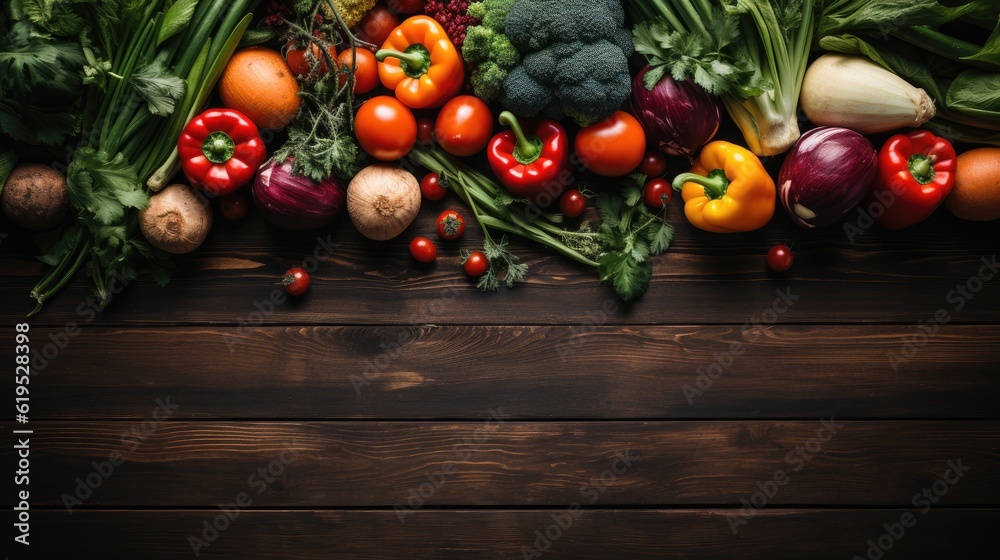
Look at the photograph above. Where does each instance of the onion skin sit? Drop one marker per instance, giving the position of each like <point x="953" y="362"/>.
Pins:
<point x="295" y="201"/>
<point x="382" y="201"/>
<point x="680" y="117"/>
<point x="825" y="175"/>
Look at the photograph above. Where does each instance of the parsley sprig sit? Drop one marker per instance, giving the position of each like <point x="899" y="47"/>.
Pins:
<point x="619" y="247"/>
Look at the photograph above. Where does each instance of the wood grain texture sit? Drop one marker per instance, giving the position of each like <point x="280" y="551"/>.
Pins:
<point x="380" y="464"/>
<point x="530" y="372"/>
<point x="882" y="276"/>
<point x="461" y="535"/>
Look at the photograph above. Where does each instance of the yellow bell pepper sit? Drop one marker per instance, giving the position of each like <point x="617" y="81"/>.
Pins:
<point x="727" y="190"/>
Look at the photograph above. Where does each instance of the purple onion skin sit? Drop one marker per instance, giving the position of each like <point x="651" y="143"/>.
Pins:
<point x="679" y="117"/>
<point x="825" y="175"/>
<point x="296" y="202"/>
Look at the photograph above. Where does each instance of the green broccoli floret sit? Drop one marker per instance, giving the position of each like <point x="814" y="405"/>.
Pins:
<point x="488" y="49"/>
<point x="575" y="59"/>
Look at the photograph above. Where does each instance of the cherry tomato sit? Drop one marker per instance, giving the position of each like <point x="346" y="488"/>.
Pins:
<point x="657" y="193"/>
<point x="654" y="164"/>
<point x="366" y="71"/>
<point x="450" y="225"/>
<point x="431" y="187"/>
<point x="377" y="25"/>
<point x="406" y="6"/>
<point x="464" y="126"/>
<point x="385" y="128"/>
<point x="295" y="281"/>
<point x="295" y="56"/>
<point x="780" y="258"/>
<point x="573" y="203"/>
<point x="612" y="147"/>
<point x="233" y="206"/>
<point x="475" y="264"/>
<point x="425" y="131"/>
<point x="423" y="250"/>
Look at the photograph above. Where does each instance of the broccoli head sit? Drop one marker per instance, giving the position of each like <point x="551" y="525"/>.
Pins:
<point x="487" y="48"/>
<point x="491" y="13"/>
<point x="585" y="81"/>
<point x="575" y="59"/>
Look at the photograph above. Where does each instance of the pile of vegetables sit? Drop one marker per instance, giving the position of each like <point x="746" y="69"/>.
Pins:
<point x="308" y="108"/>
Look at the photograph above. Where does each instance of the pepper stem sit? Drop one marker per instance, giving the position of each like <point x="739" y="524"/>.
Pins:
<point x="527" y="149"/>
<point x="716" y="183"/>
<point x="922" y="168"/>
<point x="415" y="60"/>
<point x="218" y="147"/>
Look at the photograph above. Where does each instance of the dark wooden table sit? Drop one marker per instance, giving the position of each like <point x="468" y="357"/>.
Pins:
<point x="400" y="413"/>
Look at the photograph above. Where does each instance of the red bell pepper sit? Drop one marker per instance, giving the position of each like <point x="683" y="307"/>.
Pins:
<point x="530" y="166"/>
<point x="220" y="151"/>
<point x="916" y="172"/>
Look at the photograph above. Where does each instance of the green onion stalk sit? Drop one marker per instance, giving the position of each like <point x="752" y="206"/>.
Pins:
<point x="156" y="64"/>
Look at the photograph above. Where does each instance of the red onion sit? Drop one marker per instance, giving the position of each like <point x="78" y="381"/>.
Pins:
<point x="825" y="175"/>
<point x="294" y="201"/>
<point x="680" y="116"/>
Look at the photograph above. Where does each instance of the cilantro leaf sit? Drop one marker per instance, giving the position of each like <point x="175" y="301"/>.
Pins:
<point x="158" y="87"/>
<point x="628" y="277"/>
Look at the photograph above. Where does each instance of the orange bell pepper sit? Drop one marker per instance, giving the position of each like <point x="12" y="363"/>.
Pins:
<point x="728" y="190"/>
<point x="421" y="64"/>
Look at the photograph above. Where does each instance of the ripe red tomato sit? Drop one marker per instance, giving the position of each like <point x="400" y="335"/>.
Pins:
<point x="654" y="164"/>
<point x="406" y="6"/>
<point x="425" y="131"/>
<point x="365" y="71"/>
<point x="780" y="258"/>
<point x="385" y="128"/>
<point x="295" y="281"/>
<point x="657" y="193"/>
<point x="612" y="147"/>
<point x="464" y="126"/>
<point x="431" y="187"/>
<point x="295" y="56"/>
<point x="233" y="206"/>
<point x="377" y="25"/>
<point x="450" y="225"/>
<point x="475" y="264"/>
<point x="423" y="250"/>
<point x="573" y="203"/>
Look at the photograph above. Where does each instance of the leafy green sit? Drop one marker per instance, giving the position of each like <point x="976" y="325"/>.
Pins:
<point x="158" y="87"/>
<point x="619" y="248"/>
<point x="912" y="40"/>
<point x="176" y="19"/>
<point x="699" y="54"/>
<point x="320" y="137"/>
<point x="753" y="53"/>
<point x="40" y="86"/>
<point x="58" y="17"/>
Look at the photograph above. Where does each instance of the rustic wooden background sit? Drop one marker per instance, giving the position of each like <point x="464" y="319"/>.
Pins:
<point x="576" y="377"/>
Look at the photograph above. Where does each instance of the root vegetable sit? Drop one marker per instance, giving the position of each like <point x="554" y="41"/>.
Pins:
<point x="383" y="201"/>
<point x="177" y="219"/>
<point x="35" y="196"/>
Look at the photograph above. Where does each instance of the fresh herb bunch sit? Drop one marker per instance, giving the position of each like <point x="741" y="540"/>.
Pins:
<point x="619" y="247"/>
<point x="151" y="65"/>
<point x="961" y="72"/>
<point x="753" y="53"/>
<point x="41" y="82"/>
<point x="320" y="138"/>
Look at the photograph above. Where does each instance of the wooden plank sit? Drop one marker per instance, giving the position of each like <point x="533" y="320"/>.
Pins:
<point x="706" y="278"/>
<point x="529" y="372"/>
<point x="489" y="463"/>
<point x="460" y="535"/>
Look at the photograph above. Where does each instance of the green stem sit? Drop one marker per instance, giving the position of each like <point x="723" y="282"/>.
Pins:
<point x="415" y="60"/>
<point x="715" y="184"/>
<point x="921" y="168"/>
<point x="527" y="150"/>
<point x="64" y="274"/>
